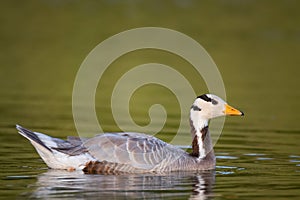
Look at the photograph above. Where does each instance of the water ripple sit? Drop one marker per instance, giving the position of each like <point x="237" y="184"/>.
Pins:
<point x="294" y="156"/>
<point x="226" y="167"/>
<point x="294" y="161"/>
<point x="227" y="157"/>
<point x="254" y="154"/>
<point x="18" y="177"/>
<point x="262" y="158"/>
<point x="224" y="172"/>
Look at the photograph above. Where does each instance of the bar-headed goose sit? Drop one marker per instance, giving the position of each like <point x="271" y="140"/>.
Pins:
<point x="128" y="152"/>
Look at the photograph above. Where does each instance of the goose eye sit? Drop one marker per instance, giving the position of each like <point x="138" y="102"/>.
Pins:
<point x="214" y="102"/>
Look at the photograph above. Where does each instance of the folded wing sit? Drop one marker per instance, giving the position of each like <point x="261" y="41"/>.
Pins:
<point x="137" y="150"/>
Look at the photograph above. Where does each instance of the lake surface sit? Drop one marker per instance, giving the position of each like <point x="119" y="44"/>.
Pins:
<point x="255" y="45"/>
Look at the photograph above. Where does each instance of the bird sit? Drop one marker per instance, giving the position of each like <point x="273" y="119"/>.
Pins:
<point x="130" y="152"/>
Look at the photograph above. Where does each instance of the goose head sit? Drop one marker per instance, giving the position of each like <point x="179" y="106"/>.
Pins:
<point x="208" y="106"/>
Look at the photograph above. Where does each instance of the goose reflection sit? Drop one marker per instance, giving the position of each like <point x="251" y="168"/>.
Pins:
<point x="62" y="184"/>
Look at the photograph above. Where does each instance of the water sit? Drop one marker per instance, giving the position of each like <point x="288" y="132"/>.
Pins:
<point x="254" y="44"/>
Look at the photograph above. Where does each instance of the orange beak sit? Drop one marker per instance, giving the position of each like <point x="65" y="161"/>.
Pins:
<point x="232" y="111"/>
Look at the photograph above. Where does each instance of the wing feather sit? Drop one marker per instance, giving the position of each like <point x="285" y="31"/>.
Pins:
<point x="135" y="149"/>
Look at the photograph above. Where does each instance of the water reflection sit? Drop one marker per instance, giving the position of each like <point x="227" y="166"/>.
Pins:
<point x="57" y="184"/>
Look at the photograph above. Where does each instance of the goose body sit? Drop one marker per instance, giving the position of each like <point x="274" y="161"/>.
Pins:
<point x="129" y="152"/>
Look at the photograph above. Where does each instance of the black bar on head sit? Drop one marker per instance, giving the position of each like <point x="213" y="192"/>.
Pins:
<point x="205" y="97"/>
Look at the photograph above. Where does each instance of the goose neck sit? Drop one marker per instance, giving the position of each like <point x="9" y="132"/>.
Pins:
<point x="201" y="144"/>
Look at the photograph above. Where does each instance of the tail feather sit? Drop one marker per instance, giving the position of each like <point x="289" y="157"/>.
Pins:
<point x="57" y="153"/>
<point x="31" y="136"/>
